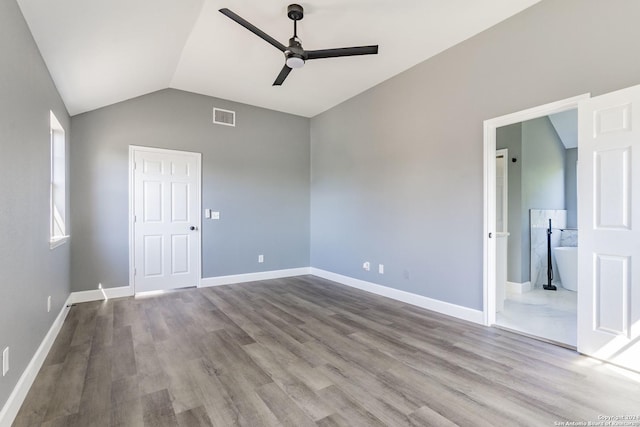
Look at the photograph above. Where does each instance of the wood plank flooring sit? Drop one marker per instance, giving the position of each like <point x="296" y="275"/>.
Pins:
<point x="307" y="352"/>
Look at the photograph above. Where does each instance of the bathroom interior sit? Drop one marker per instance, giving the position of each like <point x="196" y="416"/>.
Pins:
<point x="536" y="221"/>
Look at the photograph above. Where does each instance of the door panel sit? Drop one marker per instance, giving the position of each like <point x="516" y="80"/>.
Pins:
<point x="613" y="188"/>
<point x="608" y="219"/>
<point x="180" y="254"/>
<point x="153" y="257"/>
<point x="166" y="206"/>
<point x="180" y="202"/>
<point x="152" y="194"/>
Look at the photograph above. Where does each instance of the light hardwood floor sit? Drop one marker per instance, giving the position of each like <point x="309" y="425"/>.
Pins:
<point x="304" y="351"/>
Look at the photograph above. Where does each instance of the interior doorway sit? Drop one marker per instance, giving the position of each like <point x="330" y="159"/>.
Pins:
<point x="165" y="219"/>
<point x="536" y="227"/>
<point x="491" y="288"/>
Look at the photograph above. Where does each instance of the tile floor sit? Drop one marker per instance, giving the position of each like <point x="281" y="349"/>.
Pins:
<point x="545" y="314"/>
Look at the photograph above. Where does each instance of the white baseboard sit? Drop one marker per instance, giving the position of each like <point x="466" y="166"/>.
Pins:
<point x="253" y="277"/>
<point x="101" y="294"/>
<point x="458" y="311"/>
<point x="518" y="288"/>
<point x="19" y="393"/>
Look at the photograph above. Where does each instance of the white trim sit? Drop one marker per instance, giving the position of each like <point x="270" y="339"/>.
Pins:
<point x="58" y="241"/>
<point x="518" y="288"/>
<point x="453" y="310"/>
<point x="505" y="190"/>
<point x="489" y="246"/>
<point x="198" y="259"/>
<point x="19" y="393"/>
<point x="253" y="277"/>
<point x="100" y="294"/>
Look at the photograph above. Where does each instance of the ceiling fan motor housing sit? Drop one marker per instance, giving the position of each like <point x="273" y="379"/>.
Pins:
<point x="295" y="12"/>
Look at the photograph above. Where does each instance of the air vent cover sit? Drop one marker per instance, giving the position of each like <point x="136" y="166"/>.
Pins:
<point x="224" y="117"/>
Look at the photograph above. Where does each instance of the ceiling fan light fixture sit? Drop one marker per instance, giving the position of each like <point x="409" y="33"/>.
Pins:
<point x="295" y="62"/>
<point x="294" y="54"/>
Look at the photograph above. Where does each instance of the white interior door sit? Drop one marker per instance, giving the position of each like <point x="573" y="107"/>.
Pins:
<point x="166" y="222"/>
<point x="609" y="224"/>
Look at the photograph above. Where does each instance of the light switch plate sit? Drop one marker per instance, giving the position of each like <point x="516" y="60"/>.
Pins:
<point x="207" y="213"/>
<point x="215" y="215"/>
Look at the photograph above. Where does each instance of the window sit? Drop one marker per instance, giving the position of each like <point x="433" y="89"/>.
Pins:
<point x="58" y="184"/>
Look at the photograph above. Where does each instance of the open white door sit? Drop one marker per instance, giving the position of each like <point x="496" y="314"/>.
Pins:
<point x="609" y="224"/>
<point x="166" y="219"/>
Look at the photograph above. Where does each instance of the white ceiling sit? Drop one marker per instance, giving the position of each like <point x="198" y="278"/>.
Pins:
<point x="102" y="52"/>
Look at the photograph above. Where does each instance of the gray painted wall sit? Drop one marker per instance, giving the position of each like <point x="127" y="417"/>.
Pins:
<point x="536" y="181"/>
<point x="543" y="167"/>
<point x="256" y="175"/>
<point x="571" y="187"/>
<point x="510" y="137"/>
<point x="397" y="170"/>
<point x="29" y="270"/>
<point x="543" y="185"/>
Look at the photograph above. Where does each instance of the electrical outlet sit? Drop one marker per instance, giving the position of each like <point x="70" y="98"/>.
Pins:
<point x="5" y="361"/>
<point x="366" y="266"/>
<point x="260" y="258"/>
<point x="49" y="304"/>
<point x="381" y="268"/>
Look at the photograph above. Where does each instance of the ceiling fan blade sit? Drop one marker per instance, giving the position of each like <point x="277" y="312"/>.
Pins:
<point x="255" y="30"/>
<point x="344" y="51"/>
<point x="283" y="75"/>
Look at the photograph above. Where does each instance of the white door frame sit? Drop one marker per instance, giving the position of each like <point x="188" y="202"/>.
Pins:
<point x="489" y="243"/>
<point x="132" y="151"/>
<point x="505" y="189"/>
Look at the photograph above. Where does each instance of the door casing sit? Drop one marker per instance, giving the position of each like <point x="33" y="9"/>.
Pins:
<point x="489" y="140"/>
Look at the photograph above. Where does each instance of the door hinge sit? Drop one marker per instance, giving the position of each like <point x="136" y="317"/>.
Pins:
<point x="135" y="271"/>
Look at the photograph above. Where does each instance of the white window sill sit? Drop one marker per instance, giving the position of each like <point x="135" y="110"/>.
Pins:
<point x="58" y="241"/>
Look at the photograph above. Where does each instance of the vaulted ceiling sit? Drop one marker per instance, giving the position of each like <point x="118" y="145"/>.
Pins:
<point x="103" y="52"/>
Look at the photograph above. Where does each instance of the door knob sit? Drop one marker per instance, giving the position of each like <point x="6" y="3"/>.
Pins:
<point x="193" y="227"/>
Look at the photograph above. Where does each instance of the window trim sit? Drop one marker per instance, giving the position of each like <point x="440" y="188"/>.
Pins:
<point x="55" y="240"/>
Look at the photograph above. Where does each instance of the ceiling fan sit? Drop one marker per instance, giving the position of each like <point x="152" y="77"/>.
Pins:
<point x="295" y="55"/>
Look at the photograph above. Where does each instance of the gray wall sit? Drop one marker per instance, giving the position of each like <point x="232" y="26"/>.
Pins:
<point x="29" y="270"/>
<point x="397" y="171"/>
<point x="510" y="137"/>
<point x="542" y="169"/>
<point x="571" y="187"/>
<point x="536" y="181"/>
<point x="542" y="178"/>
<point x="256" y="175"/>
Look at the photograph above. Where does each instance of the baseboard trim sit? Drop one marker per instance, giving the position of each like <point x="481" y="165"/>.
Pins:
<point x="253" y="277"/>
<point x="518" y="288"/>
<point x="20" y="391"/>
<point x="453" y="310"/>
<point x="101" y="294"/>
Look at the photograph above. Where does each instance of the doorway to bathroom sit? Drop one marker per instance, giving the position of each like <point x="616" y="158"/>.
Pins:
<point x="534" y="172"/>
<point x="608" y="188"/>
<point x="536" y="227"/>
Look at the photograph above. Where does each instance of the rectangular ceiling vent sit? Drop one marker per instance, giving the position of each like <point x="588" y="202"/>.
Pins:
<point x="224" y="117"/>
